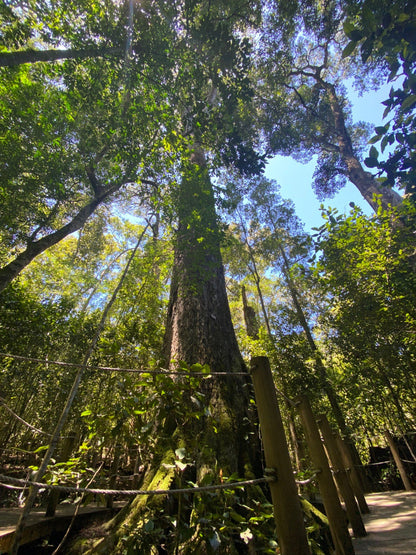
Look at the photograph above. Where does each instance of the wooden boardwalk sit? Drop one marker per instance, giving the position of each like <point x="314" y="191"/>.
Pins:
<point x="39" y="526"/>
<point x="391" y="525"/>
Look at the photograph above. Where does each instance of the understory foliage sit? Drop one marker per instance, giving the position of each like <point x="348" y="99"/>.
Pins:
<point x="367" y="268"/>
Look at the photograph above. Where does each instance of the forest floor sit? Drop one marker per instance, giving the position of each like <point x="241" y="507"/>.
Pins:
<point x="391" y="524"/>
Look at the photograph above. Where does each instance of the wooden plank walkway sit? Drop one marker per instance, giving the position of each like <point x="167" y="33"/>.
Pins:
<point x="391" y="525"/>
<point x="39" y="526"/>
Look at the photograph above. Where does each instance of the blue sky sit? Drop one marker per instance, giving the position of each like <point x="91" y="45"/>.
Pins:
<point x="295" y="178"/>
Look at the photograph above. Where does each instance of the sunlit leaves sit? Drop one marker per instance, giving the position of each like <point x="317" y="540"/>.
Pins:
<point x="366" y="266"/>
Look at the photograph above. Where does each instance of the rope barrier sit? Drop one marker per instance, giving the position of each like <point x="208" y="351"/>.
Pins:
<point x="127" y="493"/>
<point x="382" y="462"/>
<point x="3" y="403"/>
<point x="130" y="370"/>
<point x="37" y="430"/>
<point x="9" y="486"/>
<point x="308" y="480"/>
<point x="373" y="464"/>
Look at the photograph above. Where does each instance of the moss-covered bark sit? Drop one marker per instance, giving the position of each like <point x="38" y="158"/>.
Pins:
<point x="215" y="429"/>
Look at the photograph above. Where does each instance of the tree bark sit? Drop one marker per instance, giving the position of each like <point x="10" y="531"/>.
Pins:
<point x="199" y="330"/>
<point x="362" y="179"/>
<point x="199" y="327"/>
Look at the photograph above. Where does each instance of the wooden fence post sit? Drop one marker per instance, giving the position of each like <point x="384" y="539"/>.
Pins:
<point x="396" y="455"/>
<point x="113" y="474"/>
<point x="287" y="509"/>
<point x="341" y="478"/>
<point x="354" y="476"/>
<point x="136" y="475"/>
<point x="64" y="455"/>
<point x="336" y="516"/>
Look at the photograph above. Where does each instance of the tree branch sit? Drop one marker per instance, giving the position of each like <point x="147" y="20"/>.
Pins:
<point x="33" y="249"/>
<point x="11" y="59"/>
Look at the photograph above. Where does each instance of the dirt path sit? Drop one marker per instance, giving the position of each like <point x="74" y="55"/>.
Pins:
<point x="391" y="525"/>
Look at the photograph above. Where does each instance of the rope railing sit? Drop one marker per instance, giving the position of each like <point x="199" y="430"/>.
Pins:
<point x="162" y="371"/>
<point x="129" y="493"/>
<point x="382" y="462"/>
<point x="20" y="419"/>
<point x="307" y="480"/>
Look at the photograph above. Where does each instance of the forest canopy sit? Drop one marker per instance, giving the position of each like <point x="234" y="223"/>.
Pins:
<point x="139" y="238"/>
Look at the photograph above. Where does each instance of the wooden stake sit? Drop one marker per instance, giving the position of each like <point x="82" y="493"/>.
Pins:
<point x="396" y="455"/>
<point x="113" y="474"/>
<point x="54" y="495"/>
<point x="341" y="478"/>
<point x="353" y="474"/>
<point x="336" y="516"/>
<point x="287" y="509"/>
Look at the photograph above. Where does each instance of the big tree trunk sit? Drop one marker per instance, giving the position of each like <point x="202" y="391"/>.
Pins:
<point x="220" y="443"/>
<point x="199" y="327"/>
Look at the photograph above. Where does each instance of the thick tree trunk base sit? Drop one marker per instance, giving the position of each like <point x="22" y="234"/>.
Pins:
<point x="197" y="523"/>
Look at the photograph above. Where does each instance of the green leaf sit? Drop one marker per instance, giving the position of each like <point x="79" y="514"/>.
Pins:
<point x="409" y="102"/>
<point x="386" y="111"/>
<point x="403" y="17"/>
<point x="381" y="130"/>
<point x="348" y="27"/>
<point x="42" y="448"/>
<point x="370" y="162"/>
<point x="149" y="526"/>
<point x="349" y="49"/>
<point x="373" y="152"/>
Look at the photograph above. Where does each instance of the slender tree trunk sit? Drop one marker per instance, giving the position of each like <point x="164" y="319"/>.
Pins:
<point x="252" y="329"/>
<point x="323" y="373"/>
<point x="326" y="384"/>
<point x="34" y="248"/>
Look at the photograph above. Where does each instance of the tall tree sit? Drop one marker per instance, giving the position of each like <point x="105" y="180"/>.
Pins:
<point x="204" y="80"/>
<point x="281" y="240"/>
<point x="75" y="132"/>
<point x="303" y="98"/>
